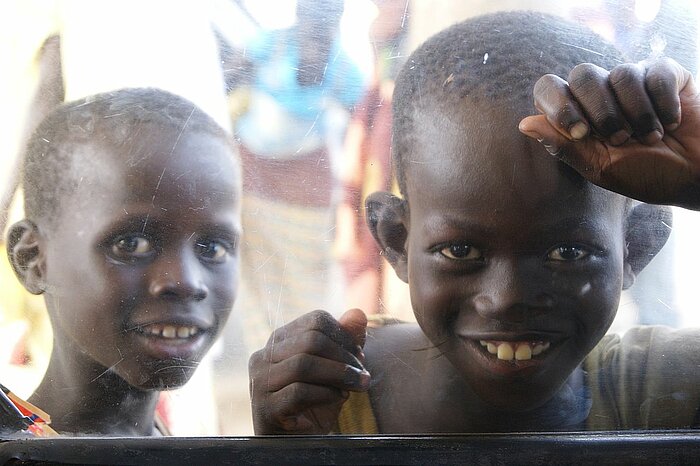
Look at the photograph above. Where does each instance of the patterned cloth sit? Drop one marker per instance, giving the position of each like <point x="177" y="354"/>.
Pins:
<point x="285" y="256"/>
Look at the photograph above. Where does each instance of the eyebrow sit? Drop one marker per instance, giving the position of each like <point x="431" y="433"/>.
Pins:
<point x="567" y="224"/>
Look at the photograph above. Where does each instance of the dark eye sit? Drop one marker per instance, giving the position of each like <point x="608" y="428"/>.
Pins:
<point x="567" y="253"/>
<point x="130" y="247"/>
<point x="461" y="251"/>
<point x="212" y="250"/>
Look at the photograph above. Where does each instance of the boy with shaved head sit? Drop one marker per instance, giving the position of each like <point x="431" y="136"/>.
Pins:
<point x="514" y="260"/>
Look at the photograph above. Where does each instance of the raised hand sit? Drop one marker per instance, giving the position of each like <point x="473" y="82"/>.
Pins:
<point x="634" y="130"/>
<point x="302" y="377"/>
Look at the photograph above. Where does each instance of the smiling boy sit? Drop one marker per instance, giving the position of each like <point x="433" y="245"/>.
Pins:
<point x="515" y="262"/>
<point x="131" y="229"/>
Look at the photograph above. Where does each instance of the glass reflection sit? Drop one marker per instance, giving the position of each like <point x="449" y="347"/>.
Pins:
<point x="306" y="90"/>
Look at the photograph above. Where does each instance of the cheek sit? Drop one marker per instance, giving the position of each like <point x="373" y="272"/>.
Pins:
<point x="593" y="295"/>
<point x="436" y="299"/>
<point x="605" y="293"/>
<point x="223" y="284"/>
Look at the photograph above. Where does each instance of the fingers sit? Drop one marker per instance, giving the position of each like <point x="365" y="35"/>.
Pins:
<point x="589" y="86"/>
<point x="538" y="127"/>
<point x="315" y="370"/>
<point x="354" y="322"/>
<point x="665" y="80"/>
<point x="298" y="408"/>
<point x="632" y="100"/>
<point x="583" y="156"/>
<point x="318" y="333"/>
<point x="554" y="99"/>
<point x="628" y="83"/>
<point x="312" y="349"/>
<point x="312" y="342"/>
<point x="305" y="372"/>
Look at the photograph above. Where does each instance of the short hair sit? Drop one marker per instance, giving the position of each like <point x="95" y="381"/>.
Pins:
<point x="50" y="168"/>
<point x="493" y="59"/>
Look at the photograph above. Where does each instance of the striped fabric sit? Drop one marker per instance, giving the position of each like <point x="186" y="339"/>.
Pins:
<point x="285" y="266"/>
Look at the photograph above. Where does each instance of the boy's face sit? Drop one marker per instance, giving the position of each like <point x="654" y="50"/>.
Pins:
<point x="141" y="268"/>
<point x="508" y="255"/>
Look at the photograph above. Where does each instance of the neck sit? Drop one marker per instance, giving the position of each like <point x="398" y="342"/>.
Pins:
<point x="467" y="412"/>
<point x="84" y="398"/>
<point x="567" y="410"/>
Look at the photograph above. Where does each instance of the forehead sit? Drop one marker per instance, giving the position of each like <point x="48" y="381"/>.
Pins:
<point x="473" y="157"/>
<point x="161" y="166"/>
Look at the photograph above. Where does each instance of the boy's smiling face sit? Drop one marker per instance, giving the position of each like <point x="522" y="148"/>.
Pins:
<point x="515" y="267"/>
<point x="141" y="267"/>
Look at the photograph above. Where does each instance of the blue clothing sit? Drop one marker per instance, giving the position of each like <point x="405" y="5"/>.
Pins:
<point x="285" y="118"/>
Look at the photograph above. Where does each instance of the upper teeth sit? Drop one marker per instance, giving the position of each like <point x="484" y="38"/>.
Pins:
<point x="170" y="331"/>
<point x="520" y="350"/>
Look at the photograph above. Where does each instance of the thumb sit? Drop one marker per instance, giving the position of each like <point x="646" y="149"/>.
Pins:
<point x="537" y="127"/>
<point x="354" y="322"/>
<point x="584" y="156"/>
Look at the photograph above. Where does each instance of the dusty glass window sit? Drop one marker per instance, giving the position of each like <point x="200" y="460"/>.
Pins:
<point x="250" y="185"/>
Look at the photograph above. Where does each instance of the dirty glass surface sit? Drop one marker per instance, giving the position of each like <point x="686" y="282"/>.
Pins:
<point x="304" y="89"/>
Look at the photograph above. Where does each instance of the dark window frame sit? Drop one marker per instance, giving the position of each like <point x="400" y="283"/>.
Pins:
<point x="632" y="447"/>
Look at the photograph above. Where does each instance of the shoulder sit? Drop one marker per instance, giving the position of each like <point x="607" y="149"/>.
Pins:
<point x="649" y="344"/>
<point x="391" y="341"/>
<point x="648" y="377"/>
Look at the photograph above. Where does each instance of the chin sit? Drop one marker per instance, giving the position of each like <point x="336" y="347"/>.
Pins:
<point x="162" y="377"/>
<point x="517" y="405"/>
<point x="509" y="397"/>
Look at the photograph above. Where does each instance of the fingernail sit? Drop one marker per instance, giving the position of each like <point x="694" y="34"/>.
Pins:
<point x="619" y="138"/>
<point x="672" y="126"/>
<point x="553" y="149"/>
<point x="578" y="130"/>
<point x="532" y="134"/>
<point x="360" y="354"/>
<point x="356" y="378"/>
<point x="652" y="138"/>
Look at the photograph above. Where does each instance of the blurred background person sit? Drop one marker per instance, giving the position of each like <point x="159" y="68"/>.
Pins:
<point x="293" y="91"/>
<point x="366" y="165"/>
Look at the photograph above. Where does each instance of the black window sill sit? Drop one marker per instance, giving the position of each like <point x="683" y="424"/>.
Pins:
<point x="613" y="448"/>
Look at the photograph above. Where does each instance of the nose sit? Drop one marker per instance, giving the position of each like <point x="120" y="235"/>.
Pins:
<point x="178" y="276"/>
<point x="511" y="290"/>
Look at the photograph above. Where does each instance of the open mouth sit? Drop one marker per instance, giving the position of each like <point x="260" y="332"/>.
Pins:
<point x="168" y="340"/>
<point x="515" y="350"/>
<point x="169" y="331"/>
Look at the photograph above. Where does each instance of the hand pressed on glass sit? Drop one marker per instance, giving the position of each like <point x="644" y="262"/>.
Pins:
<point x="633" y="129"/>
<point x="302" y="377"/>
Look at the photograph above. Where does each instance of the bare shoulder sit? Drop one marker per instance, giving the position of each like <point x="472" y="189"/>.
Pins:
<point x="395" y="343"/>
<point x="400" y="360"/>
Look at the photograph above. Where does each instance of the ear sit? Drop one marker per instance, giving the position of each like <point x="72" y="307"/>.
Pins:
<point x="648" y="228"/>
<point x="24" y="250"/>
<point x="387" y="218"/>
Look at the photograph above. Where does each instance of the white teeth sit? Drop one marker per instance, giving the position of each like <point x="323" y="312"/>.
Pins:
<point x="505" y="351"/>
<point x="520" y="351"/>
<point x="524" y="352"/>
<point x="539" y="348"/>
<point x="169" y="331"/>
